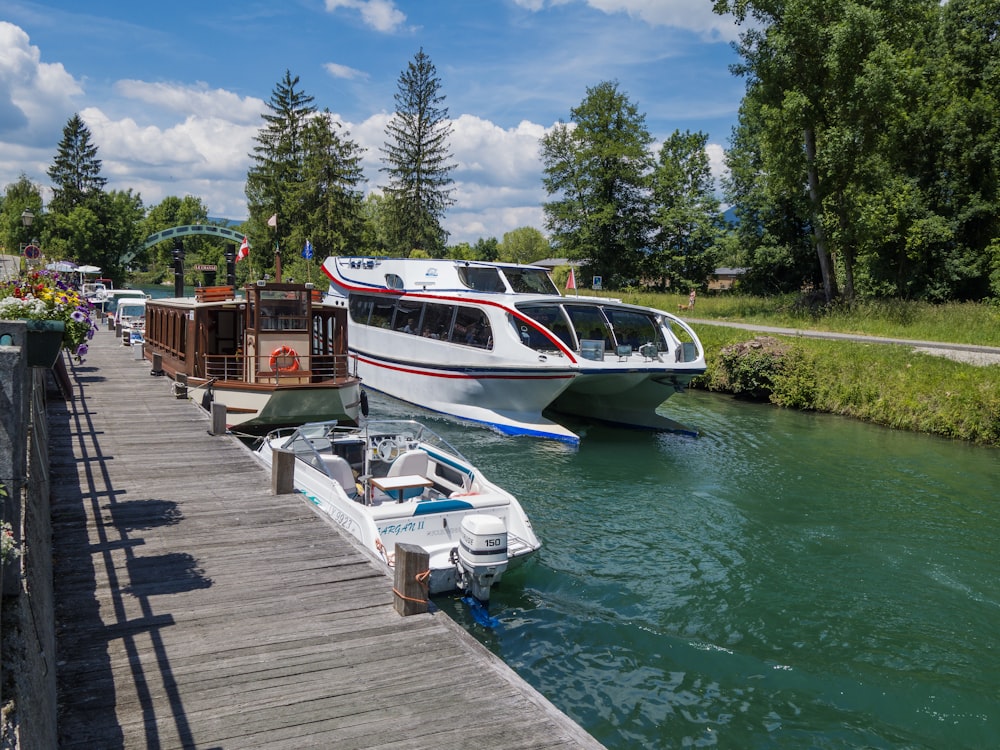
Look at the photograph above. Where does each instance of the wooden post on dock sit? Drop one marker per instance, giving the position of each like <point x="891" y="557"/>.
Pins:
<point x="218" y="419"/>
<point x="412" y="572"/>
<point x="282" y="472"/>
<point x="157" y="360"/>
<point x="181" y="385"/>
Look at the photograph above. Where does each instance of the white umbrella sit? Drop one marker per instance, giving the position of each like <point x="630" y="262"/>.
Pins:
<point x="88" y="269"/>
<point x="62" y="266"/>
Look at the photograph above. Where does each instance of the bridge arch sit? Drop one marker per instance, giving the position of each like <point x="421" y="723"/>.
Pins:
<point x="184" y="231"/>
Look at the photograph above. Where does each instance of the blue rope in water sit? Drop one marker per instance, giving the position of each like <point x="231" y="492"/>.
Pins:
<point x="479" y="612"/>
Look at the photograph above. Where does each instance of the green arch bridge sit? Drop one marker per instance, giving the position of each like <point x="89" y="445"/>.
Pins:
<point x="184" y="231"/>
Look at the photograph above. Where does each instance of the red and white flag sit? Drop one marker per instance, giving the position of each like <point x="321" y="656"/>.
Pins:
<point x="571" y="281"/>
<point x="244" y="250"/>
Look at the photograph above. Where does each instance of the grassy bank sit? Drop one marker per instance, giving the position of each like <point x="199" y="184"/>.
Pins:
<point x="885" y="384"/>
<point x="955" y="322"/>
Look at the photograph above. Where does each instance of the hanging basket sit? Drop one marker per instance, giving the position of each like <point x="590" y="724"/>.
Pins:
<point x="43" y="342"/>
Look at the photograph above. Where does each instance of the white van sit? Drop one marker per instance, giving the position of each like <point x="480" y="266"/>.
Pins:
<point x="130" y="314"/>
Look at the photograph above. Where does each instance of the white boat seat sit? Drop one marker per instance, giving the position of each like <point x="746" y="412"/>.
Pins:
<point x="413" y="461"/>
<point x="340" y="471"/>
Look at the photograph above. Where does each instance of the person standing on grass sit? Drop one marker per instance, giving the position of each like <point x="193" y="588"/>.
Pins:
<point x="691" y="299"/>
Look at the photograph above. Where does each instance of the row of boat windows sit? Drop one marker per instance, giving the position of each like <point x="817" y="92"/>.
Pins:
<point x="462" y="324"/>
<point x="458" y="324"/>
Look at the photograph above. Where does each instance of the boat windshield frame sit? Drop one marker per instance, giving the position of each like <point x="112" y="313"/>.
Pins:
<point x="507" y="279"/>
<point x="307" y="440"/>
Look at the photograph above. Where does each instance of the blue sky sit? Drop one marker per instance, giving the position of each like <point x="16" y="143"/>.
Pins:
<point x="173" y="92"/>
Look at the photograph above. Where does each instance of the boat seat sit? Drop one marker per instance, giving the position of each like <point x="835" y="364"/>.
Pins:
<point x="413" y="461"/>
<point x="340" y="471"/>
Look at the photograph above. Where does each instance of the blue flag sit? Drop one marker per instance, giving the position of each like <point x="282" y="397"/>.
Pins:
<point x="307" y="251"/>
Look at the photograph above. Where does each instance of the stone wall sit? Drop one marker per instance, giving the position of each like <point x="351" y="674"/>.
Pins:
<point x="27" y="639"/>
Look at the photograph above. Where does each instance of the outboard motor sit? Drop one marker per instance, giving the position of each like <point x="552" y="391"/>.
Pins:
<point x="482" y="554"/>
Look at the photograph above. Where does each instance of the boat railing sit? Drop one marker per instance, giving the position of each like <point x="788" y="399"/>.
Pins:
<point x="321" y="368"/>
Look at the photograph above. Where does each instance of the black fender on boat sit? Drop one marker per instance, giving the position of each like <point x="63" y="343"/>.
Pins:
<point x="364" y="403"/>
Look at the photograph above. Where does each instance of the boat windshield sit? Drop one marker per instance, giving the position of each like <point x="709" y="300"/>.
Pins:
<point x="602" y="327"/>
<point x="311" y="440"/>
<point x="635" y="328"/>
<point x="481" y="278"/>
<point x="530" y="281"/>
<point x="552" y="317"/>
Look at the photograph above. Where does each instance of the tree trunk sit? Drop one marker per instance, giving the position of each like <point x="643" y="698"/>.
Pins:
<point x="825" y="266"/>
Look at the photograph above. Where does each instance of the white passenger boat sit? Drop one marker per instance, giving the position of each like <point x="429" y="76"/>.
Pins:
<point x="397" y="481"/>
<point x="499" y="344"/>
<point x="273" y="355"/>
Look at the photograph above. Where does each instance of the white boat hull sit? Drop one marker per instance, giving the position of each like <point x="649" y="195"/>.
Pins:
<point x="432" y="520"/>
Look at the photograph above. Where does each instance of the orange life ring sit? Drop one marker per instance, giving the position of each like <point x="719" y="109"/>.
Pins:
<point x="284" y="352"/>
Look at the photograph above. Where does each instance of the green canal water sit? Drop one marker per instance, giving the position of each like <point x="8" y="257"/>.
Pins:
<point x="785" y="580"/>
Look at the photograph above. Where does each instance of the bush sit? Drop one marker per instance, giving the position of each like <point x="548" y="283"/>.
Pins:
<point x="765" y="369"/>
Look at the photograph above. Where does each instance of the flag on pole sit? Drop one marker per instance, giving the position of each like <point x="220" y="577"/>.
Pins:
<point x="244" y="250"/>
<point x="273" y="221"/>
<point x="571" y="281"/>
<point x="307" y="251"/>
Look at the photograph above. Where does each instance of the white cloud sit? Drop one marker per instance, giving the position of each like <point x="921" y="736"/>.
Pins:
<point x="680" y="14"/>
<point x="381" y="15"/>
<point x="343" y="71"/>
<point x="34" y="96"/>
<point x="717" y="163"/>
<point x="197" y="99"/>
<point x="203" y="156"/>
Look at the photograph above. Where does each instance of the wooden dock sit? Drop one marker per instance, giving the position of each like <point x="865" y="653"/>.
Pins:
<point x="194" y="609"/>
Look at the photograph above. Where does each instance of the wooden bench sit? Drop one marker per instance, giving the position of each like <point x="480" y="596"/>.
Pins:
<point x="214" y="293"/>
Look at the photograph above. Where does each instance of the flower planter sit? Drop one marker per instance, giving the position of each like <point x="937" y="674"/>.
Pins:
<point x="43" y="342"/>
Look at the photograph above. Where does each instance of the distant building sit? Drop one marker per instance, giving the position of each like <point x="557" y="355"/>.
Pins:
<point x="724" y="279"/>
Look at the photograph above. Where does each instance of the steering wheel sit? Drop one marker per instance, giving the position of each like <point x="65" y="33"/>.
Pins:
<point x="388" y="449"/>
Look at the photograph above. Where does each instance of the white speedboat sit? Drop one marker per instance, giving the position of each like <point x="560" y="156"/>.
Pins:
<point x="498" y="344"/>
<point x="397" y="481"/>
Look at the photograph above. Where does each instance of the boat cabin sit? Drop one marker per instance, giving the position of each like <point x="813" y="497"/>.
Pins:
<point x="274" y="334"/>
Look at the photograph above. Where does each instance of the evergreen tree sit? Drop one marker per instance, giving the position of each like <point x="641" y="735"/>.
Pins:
<point x="418" y="162"/>
<point x="599" y="171"/>
<point x="76" y="170"/>
<point x="331" y="189"/>
<point x="274" y="182"/>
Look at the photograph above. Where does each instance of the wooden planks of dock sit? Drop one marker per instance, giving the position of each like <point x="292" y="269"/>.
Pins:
<point x="196" y="610"/>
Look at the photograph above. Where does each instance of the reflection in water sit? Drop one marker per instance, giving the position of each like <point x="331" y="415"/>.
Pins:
<point x="786" y="579"/>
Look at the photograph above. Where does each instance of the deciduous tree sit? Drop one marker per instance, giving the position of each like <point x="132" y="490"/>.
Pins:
<point x="597" y="170"/>
<point x="687" y="220"/>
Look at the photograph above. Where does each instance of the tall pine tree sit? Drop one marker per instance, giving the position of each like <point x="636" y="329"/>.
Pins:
<point x="76" y="170"/>
<point x="275" y="178"/>
<point x="418" y="162"/>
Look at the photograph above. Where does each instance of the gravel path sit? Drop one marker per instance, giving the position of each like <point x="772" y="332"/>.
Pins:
<point x="980" y="356"/>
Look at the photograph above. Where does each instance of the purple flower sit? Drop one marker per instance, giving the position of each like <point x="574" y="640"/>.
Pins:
<point x="79" y="316"/>
<point x="81" y="350"/>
